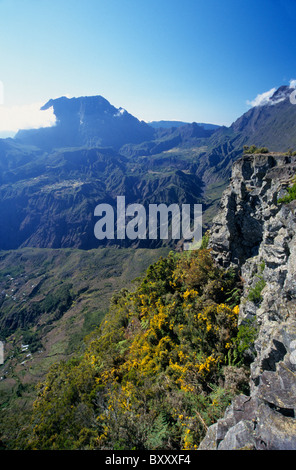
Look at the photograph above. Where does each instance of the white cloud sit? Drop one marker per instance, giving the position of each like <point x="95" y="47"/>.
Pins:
<point x="292" y="83"/>
<point x="28" y="116"/>
<point x="120" y="112"/>
<point x="262" y="99"/>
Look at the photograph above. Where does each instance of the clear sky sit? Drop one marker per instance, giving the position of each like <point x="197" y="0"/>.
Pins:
<point x="190" y="60"/>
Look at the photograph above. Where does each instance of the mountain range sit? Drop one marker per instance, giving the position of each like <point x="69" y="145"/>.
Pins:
<point x="51" y="179"/>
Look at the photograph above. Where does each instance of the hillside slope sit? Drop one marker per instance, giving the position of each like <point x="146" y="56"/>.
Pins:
<point x="271" y="125"/>
<point x="50" y="299"/>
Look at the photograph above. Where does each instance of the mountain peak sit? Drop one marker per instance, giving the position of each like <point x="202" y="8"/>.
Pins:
<point x="271" y="117"/>
<point x="79" y="99"/>
<point x="86" y="104"/>
<point x="281" y="94"/>
<point x="87" y="121"/>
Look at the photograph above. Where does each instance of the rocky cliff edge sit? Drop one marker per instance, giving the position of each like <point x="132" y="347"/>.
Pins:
<point x="256" y="234"/>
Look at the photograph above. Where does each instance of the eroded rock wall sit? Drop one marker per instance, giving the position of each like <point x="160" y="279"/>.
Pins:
<point x="257" y="235"/>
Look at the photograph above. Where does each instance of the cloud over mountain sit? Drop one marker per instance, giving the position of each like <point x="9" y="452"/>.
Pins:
<point x="273" y="96"/>
<point x="262" y="99"/>
<point x="28" y="116"/>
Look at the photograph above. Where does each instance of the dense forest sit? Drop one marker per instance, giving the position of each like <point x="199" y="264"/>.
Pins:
<point x="161" y="367"/>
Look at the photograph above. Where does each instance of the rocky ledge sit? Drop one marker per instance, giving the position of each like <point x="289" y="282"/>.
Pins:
<point x="256" y="234"/>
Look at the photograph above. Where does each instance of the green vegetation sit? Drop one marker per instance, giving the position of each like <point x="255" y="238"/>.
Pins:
<point x="255" y="292"/>
<point x="52" y="299"/>
<point x="244" y="340"/>
<point x="291" y="196"/>
<point x="253" y="149"/>
<point x="291" y="153"/>
<point x="33" y="339"/>
<point x="157" y="372"/>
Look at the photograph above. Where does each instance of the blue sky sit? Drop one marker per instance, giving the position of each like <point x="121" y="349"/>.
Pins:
<point x="190" y="60"/>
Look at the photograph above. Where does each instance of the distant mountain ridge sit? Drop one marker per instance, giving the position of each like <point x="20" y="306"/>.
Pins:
<point x="168" y="124"/>
<point x="91" y="121"/>
<point x="51" y="179"/>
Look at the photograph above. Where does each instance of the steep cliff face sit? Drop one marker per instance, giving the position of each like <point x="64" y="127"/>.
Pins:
<point x="257" y="235"/>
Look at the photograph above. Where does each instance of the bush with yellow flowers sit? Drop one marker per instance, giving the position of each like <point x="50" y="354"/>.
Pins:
<point x="151" y="376"/>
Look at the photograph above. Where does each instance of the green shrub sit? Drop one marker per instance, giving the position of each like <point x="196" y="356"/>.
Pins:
<point x="253" y="149"/>
<point x="290" y="153"/>
<point x="149" y="377"/>
<point x="205" y="241"/>
<point x="246" y="335"/>
<point x="255" y="293"/>
<point x="291" y="196"/>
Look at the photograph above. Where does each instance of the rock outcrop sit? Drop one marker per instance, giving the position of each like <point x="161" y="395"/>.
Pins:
<point x="256" y="234"/>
